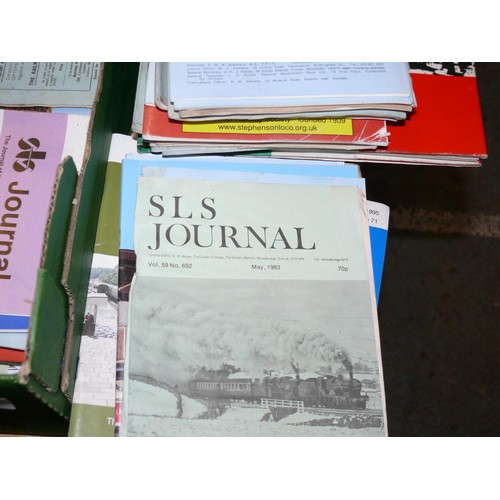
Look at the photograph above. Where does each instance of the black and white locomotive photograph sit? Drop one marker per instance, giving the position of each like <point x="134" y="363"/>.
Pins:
<point x="217" y="357"/>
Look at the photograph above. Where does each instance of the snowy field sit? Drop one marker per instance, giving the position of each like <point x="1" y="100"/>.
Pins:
<point x="162" y="410"/>
<point x="244" y="427"/>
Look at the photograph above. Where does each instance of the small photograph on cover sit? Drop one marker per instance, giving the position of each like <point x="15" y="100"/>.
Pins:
<point x="95" y="381"/>
<point x="444" y="68"/>
<point x="231" y="357"/>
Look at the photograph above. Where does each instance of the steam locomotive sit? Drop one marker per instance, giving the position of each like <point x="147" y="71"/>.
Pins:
<point x="326" y="391"/>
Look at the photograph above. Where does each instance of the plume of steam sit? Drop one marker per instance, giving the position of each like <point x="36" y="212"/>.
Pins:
<point x="169" y="338"/>
<point x="343" y="357"/>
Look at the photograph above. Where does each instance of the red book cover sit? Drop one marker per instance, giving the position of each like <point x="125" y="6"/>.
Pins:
<point x="158" y="127"/>
<point x="446" y="121"/>
<point x="11" y="355"/>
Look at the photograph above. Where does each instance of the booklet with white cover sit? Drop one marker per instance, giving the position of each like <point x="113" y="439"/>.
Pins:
<point x="250" y="322"/>
<point x="195" y="87"/>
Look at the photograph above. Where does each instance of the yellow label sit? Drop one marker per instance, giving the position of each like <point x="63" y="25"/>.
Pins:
<point x="304" y="126"/>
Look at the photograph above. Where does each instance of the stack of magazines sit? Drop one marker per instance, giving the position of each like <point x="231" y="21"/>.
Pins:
<point x="247" y="298"/>
<point x="45" y="110"/>
<point x="248" y="283"/>
<point x="271" y="106"/>
<point x="361" y="112"/>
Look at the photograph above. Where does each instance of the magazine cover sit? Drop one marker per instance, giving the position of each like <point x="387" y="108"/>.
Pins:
<point x="27" y="84"/>
<point x="246" y="322"/>
<point x="32" y="145"/>
<point x="447" y="125"/>
<point x="132" y="168"/>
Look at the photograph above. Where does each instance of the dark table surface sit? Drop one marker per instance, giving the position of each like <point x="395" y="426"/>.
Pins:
<point x="439" y="309"/>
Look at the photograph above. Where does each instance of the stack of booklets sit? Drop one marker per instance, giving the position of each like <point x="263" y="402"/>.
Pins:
<point x="418" y="113"/>
<point x="308" y="116"/>
<point x="247" y="298"/>
<point x="44" y="117"/>
<point x="248" y="285"/>
<point x="208" y="91"/>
